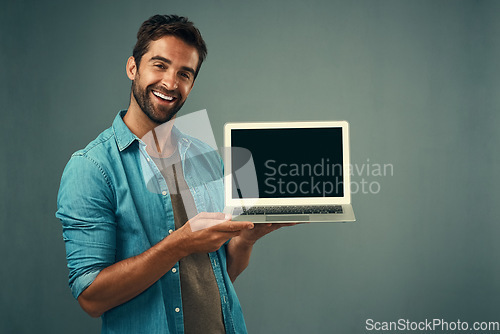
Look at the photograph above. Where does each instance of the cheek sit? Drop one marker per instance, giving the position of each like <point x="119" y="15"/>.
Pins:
<point x="185" y="90"/>
<point x="150" y="79"/>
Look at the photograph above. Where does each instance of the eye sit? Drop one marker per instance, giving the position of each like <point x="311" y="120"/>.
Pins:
<point x="185" y="75"/>
<point x="159" y="66"/>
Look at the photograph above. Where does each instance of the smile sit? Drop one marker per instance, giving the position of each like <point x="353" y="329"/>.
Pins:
<point x="163" y="96"/>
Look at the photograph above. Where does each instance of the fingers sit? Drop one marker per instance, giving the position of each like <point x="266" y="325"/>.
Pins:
<point x="200" y="224"/>
<point x="213" y="215"/>
<point x="233" y="226"/>
<point x="218" y="222"/>
<point x="205" y="220"/>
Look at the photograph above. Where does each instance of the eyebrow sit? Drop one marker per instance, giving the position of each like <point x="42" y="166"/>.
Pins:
<point x="168" y="61"/>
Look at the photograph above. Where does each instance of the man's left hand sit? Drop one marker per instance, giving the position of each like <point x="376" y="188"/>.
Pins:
<point x="251" y="236"/>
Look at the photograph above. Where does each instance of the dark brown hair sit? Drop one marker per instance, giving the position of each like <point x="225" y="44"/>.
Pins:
<point x="158" y="26"/>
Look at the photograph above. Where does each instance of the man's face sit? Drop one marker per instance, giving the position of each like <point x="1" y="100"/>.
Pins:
<point x="164" y="78"/>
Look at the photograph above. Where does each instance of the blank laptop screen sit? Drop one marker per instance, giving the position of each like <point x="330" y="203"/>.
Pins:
<point x="291" y="162"/>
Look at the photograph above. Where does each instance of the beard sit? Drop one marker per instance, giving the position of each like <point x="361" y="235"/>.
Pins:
<point x="159" y="114"/>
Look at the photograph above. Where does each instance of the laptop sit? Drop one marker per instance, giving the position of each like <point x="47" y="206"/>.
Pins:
<point x="278" y="172"/>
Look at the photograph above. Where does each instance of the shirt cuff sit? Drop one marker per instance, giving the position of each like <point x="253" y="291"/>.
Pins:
<point x="82" y="282"/>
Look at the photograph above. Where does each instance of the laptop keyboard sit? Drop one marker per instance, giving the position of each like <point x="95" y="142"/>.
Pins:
<point x="285" y="210"/>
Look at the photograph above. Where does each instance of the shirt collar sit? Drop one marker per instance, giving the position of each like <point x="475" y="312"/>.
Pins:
<point x="124" y="137"/>
<point x="183" y="141"/>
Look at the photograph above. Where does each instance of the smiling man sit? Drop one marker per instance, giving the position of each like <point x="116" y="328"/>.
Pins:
<point x="134" y="256"/>
<point x="164" y="81"/>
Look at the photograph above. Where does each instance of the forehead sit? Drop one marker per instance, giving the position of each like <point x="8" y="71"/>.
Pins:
<point x="173" y="49"/>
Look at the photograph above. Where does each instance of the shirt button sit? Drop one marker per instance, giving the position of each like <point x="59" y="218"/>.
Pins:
<point x="177" y="309"/>
<point x="148" y="159"/>
<point x="170" y="231"/>
<point x="164" y="193"/>
<point x="174" y="270"/>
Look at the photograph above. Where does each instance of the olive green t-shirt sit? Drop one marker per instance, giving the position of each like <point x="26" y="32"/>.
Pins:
<point x="201" y="304"/>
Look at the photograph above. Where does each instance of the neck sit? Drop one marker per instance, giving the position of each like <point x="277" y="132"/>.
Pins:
<point x="159" y="141"/>
<point x="157" y="137"/>
<point x="137" y="122"/>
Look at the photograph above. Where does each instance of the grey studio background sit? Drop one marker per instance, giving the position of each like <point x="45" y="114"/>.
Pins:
<point x="417" y="80"/>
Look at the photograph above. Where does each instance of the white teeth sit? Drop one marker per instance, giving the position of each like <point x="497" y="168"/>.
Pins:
<point x="164" y="97"/>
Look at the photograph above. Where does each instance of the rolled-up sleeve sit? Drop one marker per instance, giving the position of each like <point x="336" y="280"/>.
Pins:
<point x="86" y="208"/>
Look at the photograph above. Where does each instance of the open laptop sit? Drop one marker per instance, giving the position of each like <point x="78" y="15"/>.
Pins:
<point x="287" y="172"/>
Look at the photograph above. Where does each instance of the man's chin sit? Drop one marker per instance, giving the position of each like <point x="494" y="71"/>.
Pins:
<point x="162" y="114"/>
<point x="161" y="118"/>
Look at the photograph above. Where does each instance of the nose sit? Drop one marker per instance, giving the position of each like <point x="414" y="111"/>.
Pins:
<point x="170" y="80"/>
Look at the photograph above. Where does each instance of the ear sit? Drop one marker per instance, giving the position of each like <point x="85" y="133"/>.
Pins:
<point x="131" y="68"/>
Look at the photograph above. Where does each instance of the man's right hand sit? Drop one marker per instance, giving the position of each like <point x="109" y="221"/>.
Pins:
<point x="127" y="278"/>
<point x="208" y="231"/>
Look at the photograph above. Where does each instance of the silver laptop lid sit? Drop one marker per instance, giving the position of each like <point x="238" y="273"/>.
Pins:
<point x="286" y="163"/>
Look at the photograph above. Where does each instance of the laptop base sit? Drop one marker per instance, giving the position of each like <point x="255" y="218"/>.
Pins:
<point x="346" y="216"/>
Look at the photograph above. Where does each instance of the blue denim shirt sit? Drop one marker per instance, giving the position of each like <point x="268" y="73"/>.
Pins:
<point x="108" y="214"/>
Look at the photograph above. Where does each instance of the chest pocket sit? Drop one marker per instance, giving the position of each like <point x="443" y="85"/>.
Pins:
<point x="214" y="195"/>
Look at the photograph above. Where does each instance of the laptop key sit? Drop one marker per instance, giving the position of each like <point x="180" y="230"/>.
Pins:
<point x="284" y="210"/>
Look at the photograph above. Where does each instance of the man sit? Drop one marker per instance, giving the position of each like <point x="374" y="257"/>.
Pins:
<point x="132" y="259"/>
